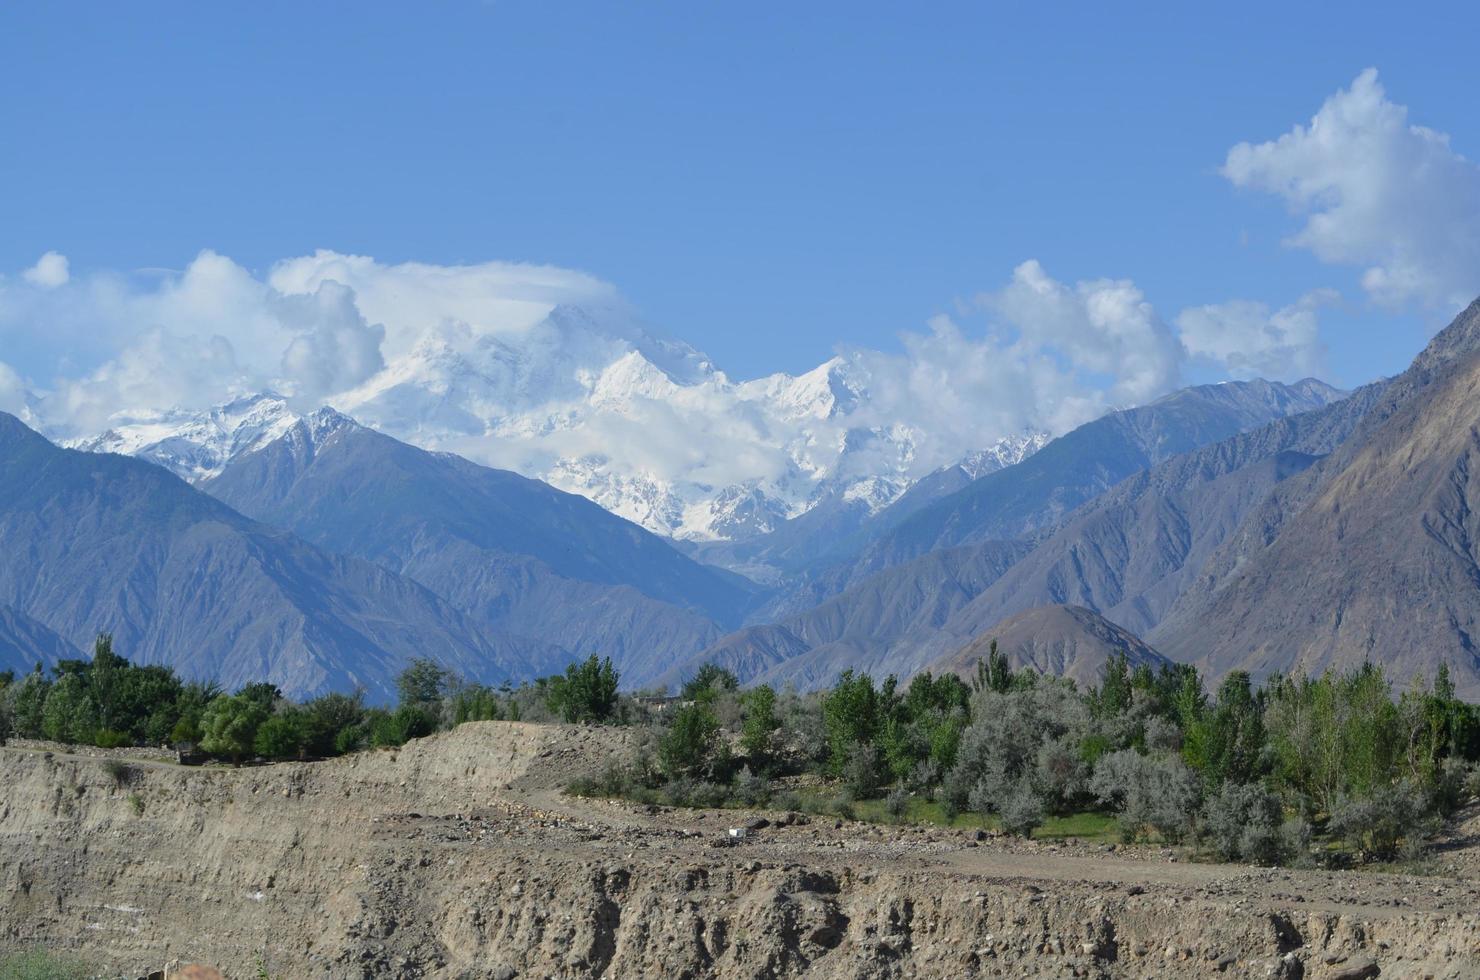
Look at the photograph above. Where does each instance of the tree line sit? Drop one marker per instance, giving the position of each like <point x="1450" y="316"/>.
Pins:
<point x="1335" y="767"/>
<point x="110" y="702"/>
<point x="1269" y="773"/>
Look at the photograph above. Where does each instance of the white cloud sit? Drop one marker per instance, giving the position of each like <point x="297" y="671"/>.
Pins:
<point x="1250" y="340"/>
<point x="1377" y="192"/>
<point x="548" y="372"/>
<point x="414" y="298"/>
<point x="15" y="397"/>
<point x="1100" y="327"/>
<point x="49" y="272"/>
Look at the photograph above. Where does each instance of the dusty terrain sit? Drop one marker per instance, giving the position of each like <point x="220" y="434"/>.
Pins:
<point x="458" y="857"/>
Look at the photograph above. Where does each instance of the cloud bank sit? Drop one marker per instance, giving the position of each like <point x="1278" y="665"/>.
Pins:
<point x="1376" y="192"/>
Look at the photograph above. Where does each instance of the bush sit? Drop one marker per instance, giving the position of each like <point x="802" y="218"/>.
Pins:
<point x="1160" y="794"/>
<point x="751" y="789"/>
<point x="393" y="729"/>
<point x="119" y="771"/>
<point x="861" y="771"/>
<point x="1243" y="823"/>
<point x="897" y="803"/>
<point x="1022" y="811"/>
<point x="104" y="738"/>
<point x="1393" y="820"/>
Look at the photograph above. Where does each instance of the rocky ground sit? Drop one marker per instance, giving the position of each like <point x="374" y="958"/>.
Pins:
<point x="458" y="857"/>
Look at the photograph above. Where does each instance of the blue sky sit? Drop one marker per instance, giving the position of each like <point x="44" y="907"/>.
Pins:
<point x="766" y="181"/>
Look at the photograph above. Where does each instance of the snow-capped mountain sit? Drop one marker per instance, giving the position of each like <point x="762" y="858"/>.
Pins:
<point x="594" y="404"/>
<point x="195" y="445"/>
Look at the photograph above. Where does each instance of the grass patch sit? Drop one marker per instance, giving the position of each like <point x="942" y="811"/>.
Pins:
<point x="42" y="965"/>
<point x="1094" y="828"/>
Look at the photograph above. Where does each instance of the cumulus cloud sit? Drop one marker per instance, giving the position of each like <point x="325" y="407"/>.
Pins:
<point x="549" y="372"/>
<point x="1250" y="340"/>
<point x="317" y="325"/>
<point x="1377" y="192"/>
<point x="49" y="272"/>
<point x="1100" y="327"/>
<point x="15" y="396"/>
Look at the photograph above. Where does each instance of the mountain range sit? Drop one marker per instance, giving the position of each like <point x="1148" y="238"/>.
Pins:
<point x="516" y="555"/>
<point x="592" y="402"/>
<point x="1245" y="525"/>
<point x="99" y="543"/>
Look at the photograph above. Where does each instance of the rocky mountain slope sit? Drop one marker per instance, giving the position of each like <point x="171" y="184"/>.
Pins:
<point x="25" y="642"/>
<point x="1131" y="552"/>
<point x="515" y="554"/>
<point x="889" y="623"/>
<point x="97" y="542"/>
<point x="1082" y="464"/>
<point x="1060" y="641"/>
<point x="1368" y="555"/>
<point x="848" y="614"/>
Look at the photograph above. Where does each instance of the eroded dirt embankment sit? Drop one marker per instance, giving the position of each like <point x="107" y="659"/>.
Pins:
<point x="456" y="857"/>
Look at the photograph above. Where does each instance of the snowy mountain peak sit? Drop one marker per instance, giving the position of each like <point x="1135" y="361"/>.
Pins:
<point x="1010" y="451"/>
<point x="593" y="402"/>
<point x="196" y="445"/>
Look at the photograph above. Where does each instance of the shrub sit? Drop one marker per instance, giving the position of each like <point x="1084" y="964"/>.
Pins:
<point x="751" y="789"/>
<point x="897" y="803"/>
<point x="393" y="729"/>
<point x="105" y="738"/>
<point x="861" y="771"/>
<point x="1392" y="818"/>
<point x="1243" y="823"/>
<point x="1022" y="811"/>
<point x="118" y="771"/>
<point x="1159" y="794"/>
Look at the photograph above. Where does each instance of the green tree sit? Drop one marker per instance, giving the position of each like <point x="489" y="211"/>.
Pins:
<point x="423" y="682"/>
<point x="27" y="699"/>
<point x="328" y="716"/>
<point x="850" y="716"/>
<point x="1226" y="742"/>
<point x="194" y="698"/>
<point x="283" y="735"/>
<point x="105" y="675"/>
<point x="587" y="691"/>
<point x="265" y="694"/>
<point x="759" y="730"/>
<point x="691" y="746"/>
<point x="229" y="726"/>
<point x="994" y="673"/>
<point x="708" y="683"/>
<point x="70" y="714"/>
